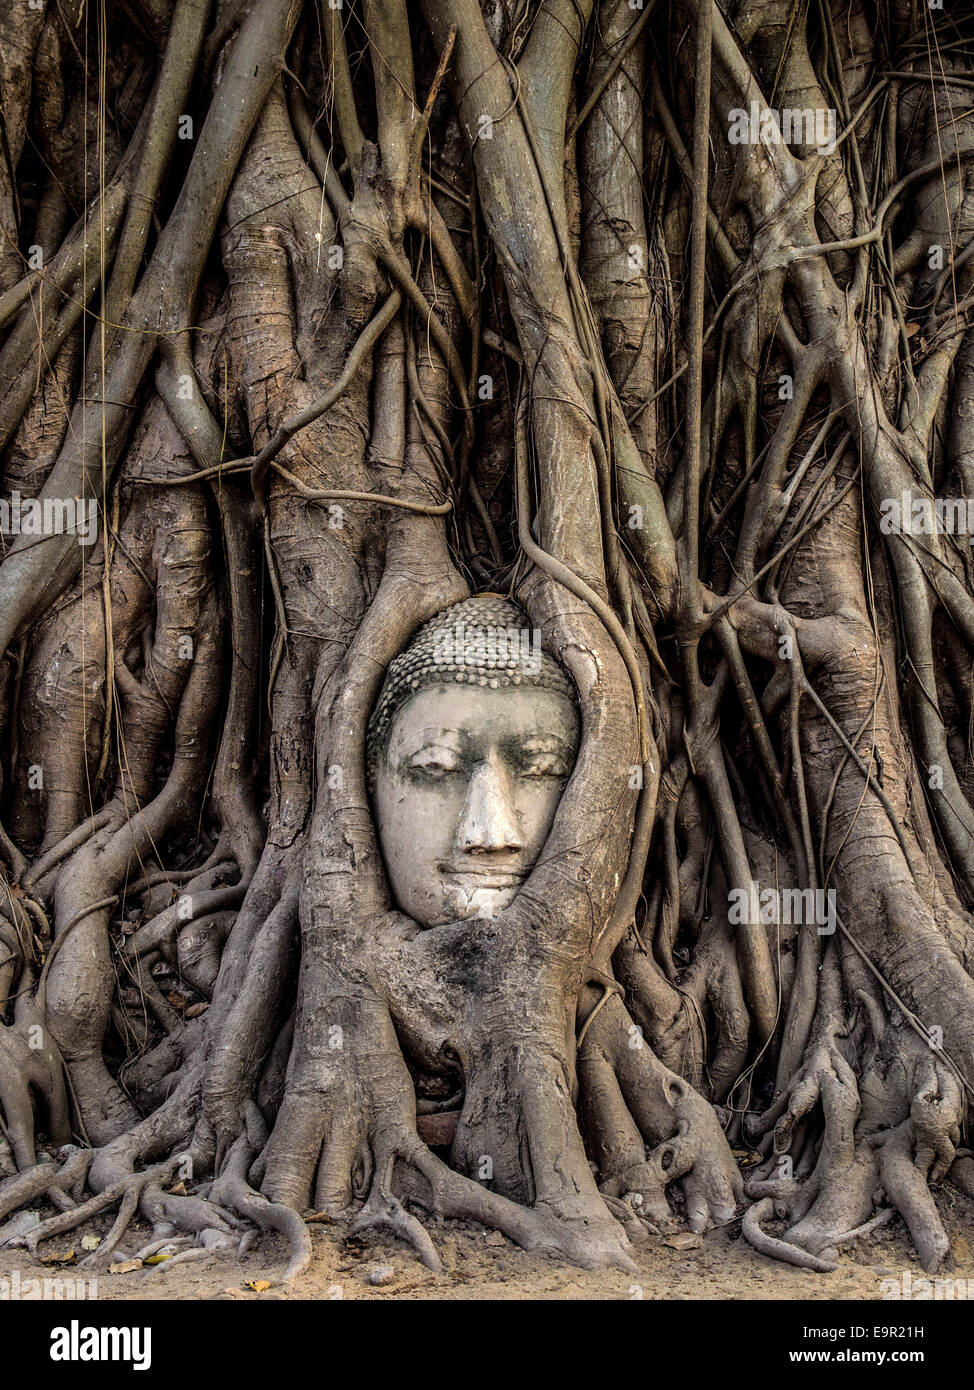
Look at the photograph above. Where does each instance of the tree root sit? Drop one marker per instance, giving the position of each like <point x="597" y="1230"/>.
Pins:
<point x="195" y="1255"/>
<point x="384" y="1209"/>
<point x="126" y="1192"/>
<point x="22" y="1188"/>
<point x="774" y="1248"/>
<point x="663" y="1111"/>
<point x="232" y="1190"/>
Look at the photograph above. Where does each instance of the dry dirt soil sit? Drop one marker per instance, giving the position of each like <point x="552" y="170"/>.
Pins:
<point x="481" y="1265"/>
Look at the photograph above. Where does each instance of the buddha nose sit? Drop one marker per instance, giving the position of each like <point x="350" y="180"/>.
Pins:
<point x="488" y="824"/>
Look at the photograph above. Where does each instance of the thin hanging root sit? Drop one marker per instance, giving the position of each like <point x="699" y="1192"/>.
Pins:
<point x="384" y="1209"/>
<point x="774" y="1248"/>
<point x="232" y="1190"/>
<point x="367" y="339"/>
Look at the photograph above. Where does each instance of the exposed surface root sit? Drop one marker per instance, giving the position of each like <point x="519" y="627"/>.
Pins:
<point x="777" y="1249"/>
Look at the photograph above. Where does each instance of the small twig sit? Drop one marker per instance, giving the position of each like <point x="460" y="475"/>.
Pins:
<point x="422" y="123"/>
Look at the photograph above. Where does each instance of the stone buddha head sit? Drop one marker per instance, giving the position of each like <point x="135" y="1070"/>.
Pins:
<point x="469" y="747"/>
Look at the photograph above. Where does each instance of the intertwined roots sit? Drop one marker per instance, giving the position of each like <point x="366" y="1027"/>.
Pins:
<point x="331" y="318"/>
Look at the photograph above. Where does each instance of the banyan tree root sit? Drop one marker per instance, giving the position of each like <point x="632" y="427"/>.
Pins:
<point x="775" y="1249"/>
<point x="887" y="1136"/>
<point x="400" y="328"/>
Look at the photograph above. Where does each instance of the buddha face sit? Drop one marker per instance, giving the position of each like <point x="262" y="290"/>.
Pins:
<point x="465" y="792"/>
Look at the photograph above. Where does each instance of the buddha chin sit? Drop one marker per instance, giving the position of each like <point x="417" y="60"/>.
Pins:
<point x="480" y="892"/>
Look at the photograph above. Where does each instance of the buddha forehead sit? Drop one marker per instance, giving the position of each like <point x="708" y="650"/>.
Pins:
<point x="490" y="668"/>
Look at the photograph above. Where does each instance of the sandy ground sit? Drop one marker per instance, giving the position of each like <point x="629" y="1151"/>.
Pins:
<point x="478" y="1266"/>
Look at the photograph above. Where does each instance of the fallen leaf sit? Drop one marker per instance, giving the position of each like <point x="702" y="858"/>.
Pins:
<point x="90" y="1242"/>
<point x="58" y="1259"/>
<point x="746" y="1158"/>
<point x="156" y="1259"/>
<point x="257" y="1285"/>
<point x="195" y="1010"/>
<point x="684" y="1240"/>
<point x="125" y="1266"/>
<point x="321" y="1217"/>
<point x="177" y="1000"/>
<point x="178" y="1191"/>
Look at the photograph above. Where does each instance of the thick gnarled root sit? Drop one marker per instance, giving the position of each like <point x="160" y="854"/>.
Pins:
<point x="31" y="1067"/>
<point x="232" y="1190"/>
<point x="651" y="1129"/>
<point x="840" y="1187"/>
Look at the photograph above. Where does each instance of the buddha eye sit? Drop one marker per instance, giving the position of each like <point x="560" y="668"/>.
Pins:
<point x="431" y="772"/>
<point x="431" y="767"/>
<point x="550" y="764"/>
